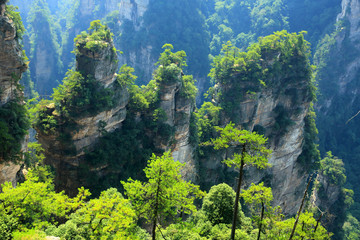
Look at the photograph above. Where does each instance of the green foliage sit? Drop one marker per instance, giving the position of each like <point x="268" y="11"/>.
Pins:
<point x="281" y="230"/>
<point x="108" y="217"/>
<point x="188" y="89"/>
<point x="218" y="204"/>
<point x="8" y="224"/>
<point x="241" y="22"/>
<point x="81" y="95"/>
<point x="31" y="234"/>
<point x="257" y="195"/>
<point x="14" y="123"/>
<point x="119" y="150"/>
<point x="35" y="203"/>
<point x="351" y="228"/>
<point x="252" y="152"/>
<point x="208" y="117"/>
<point x="140" y="98"/>
<point x="169" y="71"/>
<point x="336" y="134"/>
<point x="12" y="13"/>
<point x="181" y="232"/>
<point x="170" y="65"/>
<point x="275" y="61"/>
<point x="125" y="77"/>
<point x="310" y="155"/>
<point x="97" y="38"/>
<point x="199" y="227"/>
<point x="165" y="194"/>
<point x="34" y="156"/>
<point x="333" y="168"/>
<point x="44" y="117"/>
<point x="255" y="153"/>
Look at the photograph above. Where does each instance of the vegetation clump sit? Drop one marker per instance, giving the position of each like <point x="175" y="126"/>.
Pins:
<point x="16" y="18"/>
<point x="97" y="38"/>
<point x="81" y="94"/>
<point x="14" y="124"/>
<point x="278" y="59"/>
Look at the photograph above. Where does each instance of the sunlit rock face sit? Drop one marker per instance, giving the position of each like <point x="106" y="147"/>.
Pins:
<point x="12" y="66"/>
<point x="178" y="111"/>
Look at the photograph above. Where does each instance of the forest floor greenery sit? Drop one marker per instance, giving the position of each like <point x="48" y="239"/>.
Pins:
<point x="33" y="209"/>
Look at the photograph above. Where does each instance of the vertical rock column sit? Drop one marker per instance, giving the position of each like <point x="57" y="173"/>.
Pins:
<point x="12" y="66"/>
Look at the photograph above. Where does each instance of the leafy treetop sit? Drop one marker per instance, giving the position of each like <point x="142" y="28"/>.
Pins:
<point x="165" y="194"/>
<point x="333" y="168"/>
<point x="255" y="151"/>
<point x="98" y="37"/>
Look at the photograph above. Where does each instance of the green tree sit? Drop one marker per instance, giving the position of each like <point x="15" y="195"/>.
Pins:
<point x="333" y="168"/>
<point x="218" y="204"/>
<point x="252" y="152"/>
<point x="258" y="195"/>
<point x="108" y="217"/>
<point x="165" y="194"/>
<point x="309" y="228"/>
<point x="35" y="204"/>
<point x="125" y="77"/>
<point x="351" y="228"/>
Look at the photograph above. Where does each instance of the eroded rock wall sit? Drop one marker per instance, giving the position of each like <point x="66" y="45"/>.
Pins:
<point x="101" y="65"/>
<point x="12" y="65"/>
<point x="278" y="111"/>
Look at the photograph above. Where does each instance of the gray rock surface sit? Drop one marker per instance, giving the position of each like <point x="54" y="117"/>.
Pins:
<point x="12" y="66"/>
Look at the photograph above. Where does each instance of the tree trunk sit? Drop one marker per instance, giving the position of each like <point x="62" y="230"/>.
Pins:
<point x="261" y="219"/>
<point x="300" y="209"/>
<point x="236" y="205"/>
<point x="154" y="229"/>
<point x="318" y="221"/>
<point x="156" y="207"/>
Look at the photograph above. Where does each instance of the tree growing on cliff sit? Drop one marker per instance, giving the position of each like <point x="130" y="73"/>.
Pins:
<point x="165" y="194"/>
<point x="249" y="149"/>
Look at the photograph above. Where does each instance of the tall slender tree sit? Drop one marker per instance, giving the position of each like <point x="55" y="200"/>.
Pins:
<point x="258" y="195"/>
<point x="249" y="149"/>
<point x="165" y="194"/>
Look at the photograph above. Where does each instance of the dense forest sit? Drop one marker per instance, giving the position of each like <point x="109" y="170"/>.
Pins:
<point x="188" y="119"/>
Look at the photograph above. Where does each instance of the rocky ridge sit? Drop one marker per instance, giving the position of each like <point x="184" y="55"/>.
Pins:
<point x="101" y="65"/>
<point x="12" y="65"/>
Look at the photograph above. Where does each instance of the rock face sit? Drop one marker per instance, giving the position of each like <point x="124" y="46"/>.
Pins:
<point x="338" y="79"/>
<point x="278" y="111"/>
<point x="133" y="10"/>
<point x="102" y="66"/>
<point x="330" y="194"/>
<point x="12" y="66"/>
<point x="178" y="110"/>
<point x="288" y="179"/>
<point x="11" y="59"/>
<point x="286" y="176"/>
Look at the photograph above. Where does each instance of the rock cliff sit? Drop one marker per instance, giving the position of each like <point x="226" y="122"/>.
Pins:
<point x="83" y="129"/>
<point x="178" y="110"/>
<point x="12" y="65"/>
<point x="278" y="108"/>
<point x="338" y="58"/>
